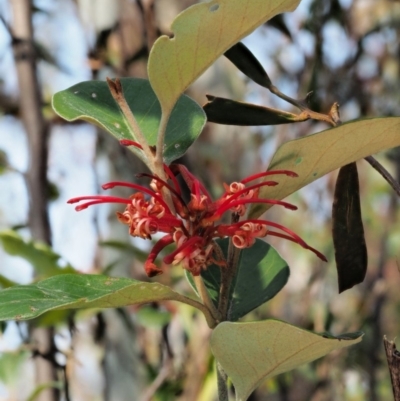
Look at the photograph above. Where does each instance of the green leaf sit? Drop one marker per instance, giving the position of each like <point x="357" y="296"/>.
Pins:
<point x="315" y="155"/>
<point x="262" y="273"/>
<point x="78" y="291"/>
<point x="201" y="34"/>
<point x="230" y="112"/>
<point x="347" y="229"/>
<point x="10" y="366"/>
<point x="252" y="352"/>
<point x="92" y="101"/>
<point x="42" y="258"/>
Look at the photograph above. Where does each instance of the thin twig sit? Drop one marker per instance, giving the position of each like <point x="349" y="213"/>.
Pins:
<point x="384" y="173"/>
<point x="306" y="113"/>
<point x="333" y="118"/>
<point x="163" y="374"/>
<point x="222" y="379"/>
<point x="154" y="159"/>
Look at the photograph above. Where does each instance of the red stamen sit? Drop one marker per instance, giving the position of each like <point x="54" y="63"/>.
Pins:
<point x="170" y="258"/>
<point x="247" y="189"/>
<point x="159" y="246"/>
<point x="171" y="175"/>
<point x="100" y="199"/>
<point x="280" y="235"/>
<point x="294" y="236"/>
<point x="154" y="177"/>
<point x="151" y="269"/>
<point x="267" y="173"/>
<point x="113" y="184"/>
<point x="226" y="206"/>
<point x="97" y="202"/>
<point x="190" y="179"/>
<point x="128" y="142"/>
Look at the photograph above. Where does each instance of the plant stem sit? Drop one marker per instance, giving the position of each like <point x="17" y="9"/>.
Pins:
<point x="222" y="380"/>
<point x="205" y="297"/>
<point x="117" y="93"/>
<point x="228" y="273"/>
<point x="211" y="320"/>
<point x="161" y="135"/>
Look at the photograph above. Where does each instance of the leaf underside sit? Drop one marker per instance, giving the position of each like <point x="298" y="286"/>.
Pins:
<point x="315" y="155"/>
<point x="252" y="352"/>
<point x="201" y="34"/>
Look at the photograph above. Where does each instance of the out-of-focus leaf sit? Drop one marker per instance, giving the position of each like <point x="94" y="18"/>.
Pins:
<point x="252" y="352"/>
<point x="92" y="101"/>
<point x="10" y="365"/>
<point x="52" y="191"/>
<point x="38" y="389"/>
<point x="53" y="318"/>
<point x="151" y="317"/>
<point x="79" y="291"/>
<point x="348" y="231"/>
<point x="245" y="61"/>
<point x="231" y="112"/>
<point x="4" y="164"/>
<point x="315" y="155"/>
<point x="202" y="33"/>
<point x="279" y="23"/>
<point x="42" y="258"/>
<point x="5" y="282"/>
<point x="262" y="273"/>
<point x="42" y="53"/>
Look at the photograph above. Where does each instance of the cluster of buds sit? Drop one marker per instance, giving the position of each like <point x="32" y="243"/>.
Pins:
<point x="193" y="225"/>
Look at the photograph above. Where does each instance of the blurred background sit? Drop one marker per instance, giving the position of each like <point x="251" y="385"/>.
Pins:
<point x="345" y="51"/>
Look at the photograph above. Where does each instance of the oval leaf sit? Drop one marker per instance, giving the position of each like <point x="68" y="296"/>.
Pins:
<point x="202" y="33"/>
<point x="315" y="155"/>
<point x="77" y="291"/>
<point x="92" y="101"/>
<point x="230" y="112"/>
<point x="262" y="273"/>
<point x="347" y="229"/>
<point x="251" y="352"/>
<point x="246" y="62"/>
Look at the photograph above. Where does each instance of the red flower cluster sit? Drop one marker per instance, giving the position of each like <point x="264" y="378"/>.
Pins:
<point x="192" y="226"/>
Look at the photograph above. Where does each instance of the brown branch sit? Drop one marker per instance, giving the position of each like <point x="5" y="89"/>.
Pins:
<point x="393" y="359"/>
<point x="162" y="376"/>
<point x="37" y="135"/>
<point x="384" y="173"/>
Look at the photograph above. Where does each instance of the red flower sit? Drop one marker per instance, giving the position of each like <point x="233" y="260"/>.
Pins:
<point x="192" y="226"/>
